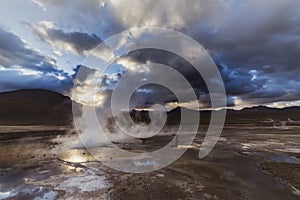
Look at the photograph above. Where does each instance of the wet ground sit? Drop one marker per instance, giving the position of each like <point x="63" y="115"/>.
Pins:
<point x="253" y="163"/>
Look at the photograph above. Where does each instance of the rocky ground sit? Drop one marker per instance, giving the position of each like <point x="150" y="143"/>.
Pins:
<point x="256" y="163"/>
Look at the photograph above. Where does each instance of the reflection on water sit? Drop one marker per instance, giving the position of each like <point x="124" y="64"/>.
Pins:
<point x="49" y="169"/>
<point x="75" y="156"/>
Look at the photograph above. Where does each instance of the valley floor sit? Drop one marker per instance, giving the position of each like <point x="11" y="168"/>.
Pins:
<point x="256" y="163"/>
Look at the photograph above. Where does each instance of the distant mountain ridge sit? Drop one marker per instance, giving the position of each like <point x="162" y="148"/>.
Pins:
<point x="257" y="114"/>
<point x="43" y="107"/>
<point x="260" y="114"/>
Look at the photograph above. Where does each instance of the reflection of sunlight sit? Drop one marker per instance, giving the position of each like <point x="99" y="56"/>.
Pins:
<point x="187" y="147"/>
<point x="75" y="157"/>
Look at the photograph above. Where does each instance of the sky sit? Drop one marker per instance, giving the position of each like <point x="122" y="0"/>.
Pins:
<point x="255" y="44"/>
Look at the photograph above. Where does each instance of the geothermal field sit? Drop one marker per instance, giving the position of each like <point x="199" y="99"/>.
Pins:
<point x="149" y="100"/>
<point x="248" y="162"/>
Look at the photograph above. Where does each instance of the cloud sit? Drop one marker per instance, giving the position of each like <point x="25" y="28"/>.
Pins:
<point x="15" y="51"/>
<point x="243" y="34"/>
<point x="23" y="67"/>
<point x="168" y="13"/>
<point x="283" y="104"/>
<point x="236" y="82"/>
<point x="255" y="43"/>
<point x="31" y="79"/>
<point x="75" y="42"/>
<point x="91" y="87"/>
<point x="91" y="16"/>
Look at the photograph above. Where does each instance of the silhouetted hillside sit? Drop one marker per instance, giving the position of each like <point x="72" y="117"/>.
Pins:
<point x="262" y="114"/>
<point x="35" y="107"/>
<point x="255" y="115"/>
<point x="42" y="107"/>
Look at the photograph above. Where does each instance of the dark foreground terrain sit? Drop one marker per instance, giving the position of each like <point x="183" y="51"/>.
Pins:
<point x="247" y="163"/>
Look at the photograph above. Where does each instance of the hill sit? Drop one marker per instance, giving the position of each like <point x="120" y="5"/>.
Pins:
<point x="35" y="107"/>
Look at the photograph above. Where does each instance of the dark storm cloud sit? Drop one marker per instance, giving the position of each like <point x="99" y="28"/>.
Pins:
<point x="80" y="41"/>
<point x="14" y="51"/>
<point x="23" y="67"/>
<point x="251" y="33"/>
<point x="172" y="60"/>
<point x="265" y="38"/>
<point x="74" y="41"/>
<point x="255" y="44"/>
<point x="255" y="35"/>
<point x="237" y="81"/>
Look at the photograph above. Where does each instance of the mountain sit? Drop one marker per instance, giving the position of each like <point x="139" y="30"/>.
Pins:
<point x="254" y="115"/>
<point x="35" y="107"/>
<point x="262" y="114"/>
<point x="43" y="107"/>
